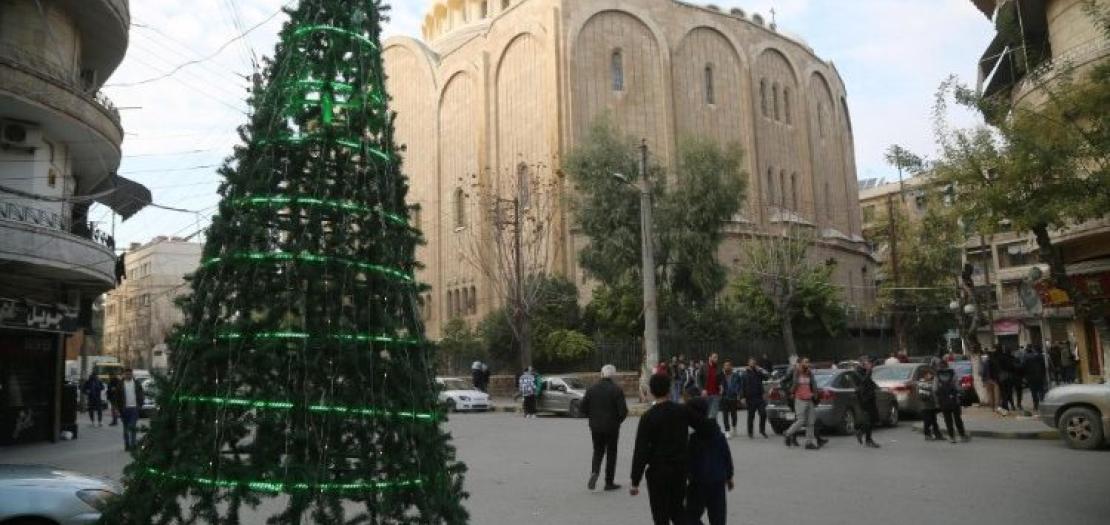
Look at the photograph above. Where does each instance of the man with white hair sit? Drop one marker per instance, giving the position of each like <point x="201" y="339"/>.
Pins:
<point x="604" y="404"/>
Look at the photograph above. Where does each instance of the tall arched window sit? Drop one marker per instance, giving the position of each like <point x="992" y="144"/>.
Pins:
<point x="794" y="191"/>
<point x="786" y="104"/>
<point x="504" y="4"/>
<point x="782" y="188"/>
<point x="473" y="300"/>
<point x="710" y="96"/>
<point x="775" y="96"/>
<point x="821" y="119"/>
<point x="484" y="9"/>
<point x="460" y="208"/>
<point x="763" y="95"/>
<point x="451" y="305"/>
<point x="828" y="203"/>
<point x="617" y="70"/>
<point x="770" y="186"/>
<point x="524" y="185"/>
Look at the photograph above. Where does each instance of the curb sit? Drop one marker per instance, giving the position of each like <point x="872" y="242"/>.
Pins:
<point x="1046" y="435"/>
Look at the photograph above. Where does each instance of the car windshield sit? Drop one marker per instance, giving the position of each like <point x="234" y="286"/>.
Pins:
<point x="892" y="373"/>
<point x="824" y="379"/>
<point x="574" y="383"/>
<point x="456" y="384"/>
<point x="962" y="368"/>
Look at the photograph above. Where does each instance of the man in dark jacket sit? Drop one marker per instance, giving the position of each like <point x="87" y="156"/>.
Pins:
<point x="711" y="468"/>
<point x="1036" y="375"/>
<point x="604" y="404"/>
<point x="661" y="441"/>
<point x="868" y="401"/>
<point x="128" y="396"/>
<point x="751" y="389"/>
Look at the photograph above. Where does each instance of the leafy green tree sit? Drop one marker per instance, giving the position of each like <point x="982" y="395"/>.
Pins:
<point x="1039" y="166"/>
<point x="780" y="291"/>
<point x="565" y="346"/>
<point x="301" y="375"/>
<point x="460" y="344"/>
<point x="556" y="310"/>
<point x="691" y="205"/>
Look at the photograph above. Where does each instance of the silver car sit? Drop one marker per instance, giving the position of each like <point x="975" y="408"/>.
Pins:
<point x="1080" y="412"/>
<point x="839" y="409"/>
<point x="41" y="494"/>
<point x="562" y="395"/>
<point x="901" y="380"/>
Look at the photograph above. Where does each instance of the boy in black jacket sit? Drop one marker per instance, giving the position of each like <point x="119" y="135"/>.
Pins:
<point x="661" y="442"/>
<point x="711" y="468"/>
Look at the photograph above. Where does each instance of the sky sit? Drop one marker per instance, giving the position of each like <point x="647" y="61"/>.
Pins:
<point x="182" y="85"/>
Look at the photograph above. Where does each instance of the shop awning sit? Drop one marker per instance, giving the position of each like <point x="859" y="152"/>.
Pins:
<point x="124" y="196"/>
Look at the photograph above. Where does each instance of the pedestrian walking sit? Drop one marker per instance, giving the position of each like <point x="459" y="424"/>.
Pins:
<point x="94" y="389"/>
<point x="1036" y="376"/>
<point x="1055" y="368"/>
<point x="661" y="455"/>
<point x="679" y="380"/>
<point x="947" y="391"/>
<point x="751" y="389"/>
<point x="711" y="378"/>
<point x="606" y="408"/>
<point x="527" y="387"/>
<point x="926" y="393"/>
<point x="477" y="376"/>
<point x="989" y="372"/>
<point x="801" y="386"/>
<point x="766" y="364"/>
<point x="711" y="468"/>
<point x="113" y="394"/>
<point x="869" y="404"/>
<point x="129" y="399"/>
<point x="730" y="399"/>
<point x="1017" y="383"/>
<point x="1005" y="368"/>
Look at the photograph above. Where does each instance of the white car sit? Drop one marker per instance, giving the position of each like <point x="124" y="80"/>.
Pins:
<point x="41" y="494"/>
<point x="459" y="395"/>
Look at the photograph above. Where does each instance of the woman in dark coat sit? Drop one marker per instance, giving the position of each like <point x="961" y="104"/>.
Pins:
<point x="868" y="404"/>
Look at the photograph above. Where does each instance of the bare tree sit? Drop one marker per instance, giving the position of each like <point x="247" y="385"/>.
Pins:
<point x="516" y="241"/>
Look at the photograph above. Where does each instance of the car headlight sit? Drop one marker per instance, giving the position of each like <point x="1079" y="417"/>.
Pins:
<point x="95" y="498"/>
<point x="464" y="398"/>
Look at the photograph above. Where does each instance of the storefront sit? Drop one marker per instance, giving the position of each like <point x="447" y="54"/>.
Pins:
<point x="1090" y="350"/>
<point x="31" y="369"/>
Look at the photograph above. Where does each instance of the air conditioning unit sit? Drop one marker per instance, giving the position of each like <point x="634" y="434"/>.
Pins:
<point x="15" y="135"/>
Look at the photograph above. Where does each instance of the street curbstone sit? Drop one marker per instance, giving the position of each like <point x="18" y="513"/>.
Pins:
<point x="1028" y="435"/>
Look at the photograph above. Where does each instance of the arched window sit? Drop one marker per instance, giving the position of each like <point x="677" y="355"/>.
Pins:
<point x="524" y="185"/>
<point x="821" y="119"/>
<point x="504" y="4"/>
<point x="460" y="208"/>
<point x="484" y="9"/>
<point x="782" y="188"/>
<point x="473" y="300"/>
<point x="775" y="96"/>
<point x="828" y="203"/>
<point x="794" y="191"/>
<point x="770" y="186"/>
<point x="763" y="95"/>
<point x="786" y="104"/>
<point x="710" y="96"/>
<point x="450" y="305"/>
<point x="617" y="70"/>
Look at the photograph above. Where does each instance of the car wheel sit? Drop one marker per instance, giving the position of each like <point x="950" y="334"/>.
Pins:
<point x="451" y="406"/>
<point x="575" y="410"/>
<point x="1081" y="428"/>
<point x="779" y="426"/>
<point x="848" y="424"/>
<point x="893" y="416"/>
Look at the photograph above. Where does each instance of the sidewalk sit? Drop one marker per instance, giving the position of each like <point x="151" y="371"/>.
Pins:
<point x="981" y="422"/>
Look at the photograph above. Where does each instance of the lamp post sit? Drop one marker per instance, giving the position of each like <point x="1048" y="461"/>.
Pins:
<point x="651" y="311"/>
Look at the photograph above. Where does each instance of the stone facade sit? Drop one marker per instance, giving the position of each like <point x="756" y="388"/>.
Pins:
<point x="497" y="83"/>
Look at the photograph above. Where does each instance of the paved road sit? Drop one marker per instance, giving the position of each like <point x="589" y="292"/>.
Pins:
<point x="534" y="472"/>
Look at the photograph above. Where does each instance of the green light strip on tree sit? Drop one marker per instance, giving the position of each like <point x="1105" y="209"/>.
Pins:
<point x="295" y="140"/>
<point x="332" y="29"/>
<point x="319" y="203"/>
<point x="284" y="486"/>
<point x="361" y="338"/>
<point x="310" y="258"/>
<point x="325" y="409"/>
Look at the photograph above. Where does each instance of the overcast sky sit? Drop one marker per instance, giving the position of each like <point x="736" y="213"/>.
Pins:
<point x="892" y="54"/>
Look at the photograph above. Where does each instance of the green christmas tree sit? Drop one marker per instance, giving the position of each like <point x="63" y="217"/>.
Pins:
<point x="301" y="374"/>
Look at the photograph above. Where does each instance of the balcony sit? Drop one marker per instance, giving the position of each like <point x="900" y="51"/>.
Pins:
<point x="42" y="244"/>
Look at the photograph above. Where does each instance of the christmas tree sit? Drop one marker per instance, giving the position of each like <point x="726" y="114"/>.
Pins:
<point x="301" y="375"/>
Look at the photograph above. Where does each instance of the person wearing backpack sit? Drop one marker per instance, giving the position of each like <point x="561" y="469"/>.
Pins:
<point x="947" y="391"/>
<point x="927" y="394"/>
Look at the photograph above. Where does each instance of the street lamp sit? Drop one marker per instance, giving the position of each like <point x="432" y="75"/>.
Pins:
<point x="651" y="312"/>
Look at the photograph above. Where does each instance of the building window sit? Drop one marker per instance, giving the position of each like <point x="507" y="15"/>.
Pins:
<point x="485" y="9"/>
<point x="828" y="203"/>
<point x="821" y="119"/>
<point x="868" y="213"/>
<point x="782" y="188"/>
<point x="763" y="96"/>
<point x="770" y="186"/>
<point x="617" y="70"/>
<point x="52" y="177"/>
<point x="794" y="191"/>
<point x="710" y="96"/>
<point x="416" y="219"/>
<point x="460" y="208"/>
<point x="524" y="185"/>
<point x="504" y="4"/>
<point x="473" y="301"/>
<point x="450" y="305"/>
<point x="786" y="104"/>
<point x="775" y="97"/>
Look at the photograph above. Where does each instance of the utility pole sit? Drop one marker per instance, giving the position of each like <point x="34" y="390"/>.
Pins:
<point x="518" y="274"/>
<point x="990" y="287"/>
<point x="899" y="332"/>
<point x="651" y="313"/>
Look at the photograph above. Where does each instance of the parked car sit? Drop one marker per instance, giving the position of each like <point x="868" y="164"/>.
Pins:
<point x="901" y="380"/>
<point x="458" y="395"/>
<point x="1081" y="413"/>
<point x="38" y="494"/>
<point x="839" y="409"/>
<point x="562" y="395"/>
<point x="150" y="394"/>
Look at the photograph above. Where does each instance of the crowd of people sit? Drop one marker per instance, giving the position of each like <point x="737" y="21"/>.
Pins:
<point x="1006" y="374"/>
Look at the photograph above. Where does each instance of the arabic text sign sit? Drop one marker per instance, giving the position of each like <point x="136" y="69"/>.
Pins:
<point x="26" y="315"/>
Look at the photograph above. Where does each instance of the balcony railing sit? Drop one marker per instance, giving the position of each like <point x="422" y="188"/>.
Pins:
<point x="11" y="211"/>
<point x="20" y="58"/>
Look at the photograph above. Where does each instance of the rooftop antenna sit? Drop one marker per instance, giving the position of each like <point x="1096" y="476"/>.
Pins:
<point x="774" y="24"/>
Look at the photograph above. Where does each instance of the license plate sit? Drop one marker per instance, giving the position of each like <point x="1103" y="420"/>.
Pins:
<point x="790" y="416"/>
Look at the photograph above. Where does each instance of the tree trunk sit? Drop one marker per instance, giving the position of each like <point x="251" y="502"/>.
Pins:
<point x="788" y="337"/>
<point x="1085" y="310"/>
